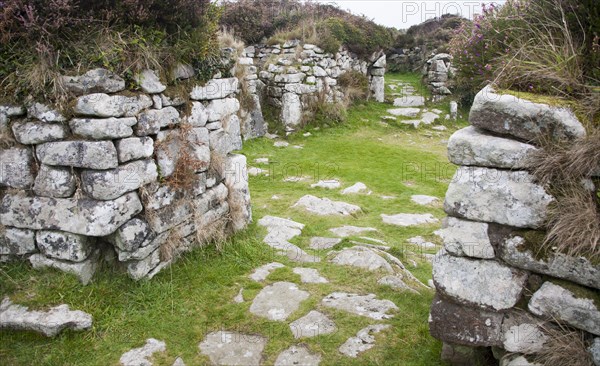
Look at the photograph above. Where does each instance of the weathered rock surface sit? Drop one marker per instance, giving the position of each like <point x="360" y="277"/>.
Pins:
<point x="471" y="146"/>
<point x="78" y="216"/>
<point x="221" y="108"/>
<point x="17" y="241"/>
<point x="409" y="219"/>
<point x="103" y="129"/>
<point x="48" y="323"/>
<point x="523" y="119"/>
<point x="56" y="182"/>
<point x="151" y="121"/>
<point x="83" y="270"/>
<point x="63" y="245"/>
<point x="423" y="200"/>
<point x="231" y="348"/>
<point x="291" y="110"/>
<point x="134" y="148"/>
<point x="149" y="82"/>
<point x="491" y="195"/>
<point x="325" y="206"/>
<point x="404" y="112"/>
<point x="104" y="105"/>
<point x="356" y="189"/>
<point x="44" y="113"/>
<point x="17" y="168"/>
<point x="594" y="350"/>
<point x="33" y="132"/>
<point x="522" y="333"/>
<point x="346" y="231"/>
<point x="280" y="231"/>
<point x="310" y="275"/>
<point x="409" y="101"/>
<point x="172" y="144"/>
<point x="94" y="81"/>
<point x="361" y="257"/>
<point x="215" y="89"/>
<point x="363" y="305"/>
<point x="363" y="341"/>
<point x="561" y="304"/>
<point x="421" y="242"/>
<point x="80" y="154"/>
<point x="142" y="356"/>
<point x="261" y="273"/>
<point x="278" y="301"/>
<point x="297" y="355"/>
<point x="111" y="184"/>
<point x="516" y="360"/>
<point x="464" y="238"/>
<point x="312" y="324"/>
<point x="236" y="180"/>
<point x="131" y="235"/>
<point x="458" y="324"/>
<point x="515" y="251"/>
<point x="327" y="184"/>
<point x="319" y="243"/>
<point x="396" y="283"/>
<point x="477" y="282"/>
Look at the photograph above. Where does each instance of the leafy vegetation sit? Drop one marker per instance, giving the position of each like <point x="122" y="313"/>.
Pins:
<point x="433" y="34"/>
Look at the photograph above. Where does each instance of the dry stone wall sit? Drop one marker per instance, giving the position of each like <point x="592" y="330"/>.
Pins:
<point x="293" y="75"/>
<point x="496" y="293"/>
<point x="132" y="177"/>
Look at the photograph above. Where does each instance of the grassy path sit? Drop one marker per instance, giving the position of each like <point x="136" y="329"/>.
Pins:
<point x="194" y="297"/>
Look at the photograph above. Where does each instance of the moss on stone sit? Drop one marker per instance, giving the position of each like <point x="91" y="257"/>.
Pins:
<point x="579" y="292"/>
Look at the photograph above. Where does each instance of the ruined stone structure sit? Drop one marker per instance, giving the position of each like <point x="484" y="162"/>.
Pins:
<point x="131" y="177"/>
<point x="438" y="72"/>
<point x="497" y="293"/>
<point x="293" y="75"/>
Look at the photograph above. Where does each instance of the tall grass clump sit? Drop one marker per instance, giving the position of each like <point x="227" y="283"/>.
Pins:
<point x="542" y="46"/>
<point x="42" y="39"/>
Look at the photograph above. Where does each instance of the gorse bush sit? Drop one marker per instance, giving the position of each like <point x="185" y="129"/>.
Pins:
<point x="41" y="39"/>
<point x="543" y="46"/>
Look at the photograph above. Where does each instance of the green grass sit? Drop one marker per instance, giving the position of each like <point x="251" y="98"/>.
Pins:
<point x="194" y="297"/>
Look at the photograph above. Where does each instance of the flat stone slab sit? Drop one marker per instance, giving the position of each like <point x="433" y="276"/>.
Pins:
<point x="346" y="231"/>
<point x="406" y="220"/>
<point x="363" y="341"/>
<point x="482" y="283"/>
<point x="278" y="301"/>
<point x="396" y="283"/>
<point x="231" y="348"/>
<point x="423" y="200"/>
<point x="361" y="257"/>
<point x="363" y="305"/>
<point x="320" y="243"/>
<point x="297" y="355"/>
<point x="262" y="272"/>
<point x="325" y="206"/>
<point x="463" y="238"/>
<point x="312" y="324"/>
<point x="48" y="323"/>
<point x="409" y="101"/>
<point x="280" y="231"/>
<point x="357" y="188"/>
<point x="421" y="242"/>
<point x="142" y="356"/>
<point x="281" y="144"/>
<point x="310" y="275"/>
<point x="327" y="184"/>
<point x="404" y="112"/>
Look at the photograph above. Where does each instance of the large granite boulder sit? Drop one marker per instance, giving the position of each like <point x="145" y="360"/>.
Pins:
<point x="491" y="195"/>
<point x="509" y="115"/>
<point x="481" y="283"/>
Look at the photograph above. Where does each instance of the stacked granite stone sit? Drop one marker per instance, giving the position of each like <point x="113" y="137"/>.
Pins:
<point x="253" y="121"/>
<point x="97" y="179"/>
<point x="496" y="291"/>
<point x="293" y="75"/>
<point x="438" y="71"/>
<point x="406" y="59"/>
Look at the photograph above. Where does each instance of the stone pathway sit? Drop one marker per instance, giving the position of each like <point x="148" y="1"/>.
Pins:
<point x="325" y="206"/>
<point x="278" y="301"/>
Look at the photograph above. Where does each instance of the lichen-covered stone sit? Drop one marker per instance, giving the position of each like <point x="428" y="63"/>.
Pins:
<point x="523" y="119"/>
<point x="291" y="110"/>
<point x="325" y="206"/>
<point x="44" y="113"/>
<point x="149" y="82"/>
<point x="103" y="129"/>
<point x="172" y="144"/>
<point x="78" y="216"/>
<point x="139" y="269"/>
<point x="363" y="305"/>
<point x="150" y="122"/>
<point x="236" y="180"/>
<point x="363" y="341"/>
<point x="17" y="170"/>
<point x="198" y="115"/>
<point x="491" y="195"/>
<point x="458" y="324"/>
<point x="464" y="238"/>
<point x="561" y="304"/>
<point x="34" y="132"/>
<point x="113" y="183"/>
<point x="215" y="89"/>
<point x="104" y="105"/>
<point x="64" y="246"/>
<point x="523" y="333"/>
<point x="79" y="154"/>
<point x="56" y="182"/>
<point x="478" y="282"/>
<point x="83" y="270"/>
<point x="221" y="108"/>
<point x="94" y="81"/>
<point x="231" y="348"/>
<point x="278" y="301"/>
<point x="134" y="148"/>
<point x="130" y="235"/>
<point x="142" y="356"/>
<point x="15" y="242"/>
<point x="471" y="146"/>
<point x="377" y="88"/>
<point x="361" y="257"/>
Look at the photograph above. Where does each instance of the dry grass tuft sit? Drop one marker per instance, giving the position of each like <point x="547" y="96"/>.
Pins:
<point x="184" y="176"/>
<point x="215" y="232"/>
<point x="565" y="347"/>
<point x="169" y="249"/>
